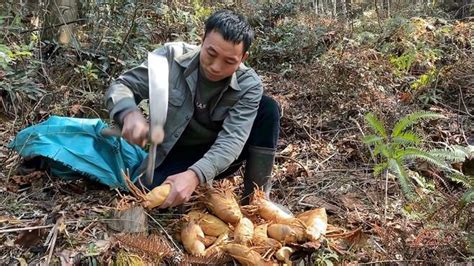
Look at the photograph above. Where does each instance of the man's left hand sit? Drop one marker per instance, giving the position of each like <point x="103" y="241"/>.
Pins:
<point x="182" y="186"/>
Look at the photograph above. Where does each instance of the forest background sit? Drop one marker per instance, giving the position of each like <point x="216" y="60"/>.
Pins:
<point x="377" y="123"/>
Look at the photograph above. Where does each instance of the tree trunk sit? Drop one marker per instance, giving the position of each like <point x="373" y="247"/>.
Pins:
<point x="388" y="9"/>
<point x="61" y="12"/>
<point x="344" y="8"/>
<point x="334" y="8"/>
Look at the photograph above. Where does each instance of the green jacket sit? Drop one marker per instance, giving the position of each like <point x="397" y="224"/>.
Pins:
<point x="236" y="106"/>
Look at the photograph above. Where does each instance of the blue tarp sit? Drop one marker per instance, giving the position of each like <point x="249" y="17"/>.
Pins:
<point x="75" y="146"/>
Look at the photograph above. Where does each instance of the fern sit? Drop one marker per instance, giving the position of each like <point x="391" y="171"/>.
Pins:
<point x="408" y="138"/>
<point x="372" y="139"/>
<point x="411" y="119"/>
<point x="379" y="168"/>
<point x="405" y="184"/>
<point x="376" y="125"/>
<point x="401" y="146"/>
<point x="467" y="197"/>
<point x="453" y="154"/>
<point x="467" y="182"/>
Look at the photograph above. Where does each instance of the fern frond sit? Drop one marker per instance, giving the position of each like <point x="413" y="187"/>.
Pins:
<point x="454" y="153"/>
<point x="466" y="181"/>
<point x="376" y="125"/>
<point x="385" y="151"/>
<point x="372" y="139"/>
<point x="411" y="119"/>
<point x="408" y="138"/>
<point x="379" y="168"/>
<point x="407" y="187"/>
<point x="467" y="197"/>
<point x="411" y="152"/>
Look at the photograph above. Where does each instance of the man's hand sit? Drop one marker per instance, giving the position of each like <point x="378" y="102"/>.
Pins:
<point x="135" y="128"/>
<point x="182" y="186"/>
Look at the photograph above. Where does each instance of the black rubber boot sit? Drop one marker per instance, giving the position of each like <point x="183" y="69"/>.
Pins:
<point x="258" y="171"/>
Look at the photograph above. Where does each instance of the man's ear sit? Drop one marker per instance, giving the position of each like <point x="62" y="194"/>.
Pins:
<point x="245" y="56"/>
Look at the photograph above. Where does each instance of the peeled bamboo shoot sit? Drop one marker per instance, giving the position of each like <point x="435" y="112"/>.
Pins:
<point x="316" y="222"/>
<point x="210" y="224"/>
<point x="193" y="238"/>
<point x="156" y="196"/>
<point x="243" y="232"/>
<point x="286" y="233"/>
<point x="243" y="254"/>
<point x="224" y="205"/>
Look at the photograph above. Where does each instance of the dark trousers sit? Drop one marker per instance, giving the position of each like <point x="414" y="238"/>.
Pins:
<point x="264" y="133"/>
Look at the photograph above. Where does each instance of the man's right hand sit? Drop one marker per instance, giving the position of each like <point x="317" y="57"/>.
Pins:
<point x="135" y="128"/>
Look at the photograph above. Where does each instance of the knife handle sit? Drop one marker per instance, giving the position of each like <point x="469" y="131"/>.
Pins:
<point x="111" y="132"/>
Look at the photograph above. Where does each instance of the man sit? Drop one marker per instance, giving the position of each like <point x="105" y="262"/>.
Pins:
<point x="217" y="117"/>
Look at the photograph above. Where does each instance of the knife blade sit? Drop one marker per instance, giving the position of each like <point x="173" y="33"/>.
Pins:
<point x="158" y="105"/>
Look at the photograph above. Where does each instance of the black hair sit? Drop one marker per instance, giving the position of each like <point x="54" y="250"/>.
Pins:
<point x="233" y="27"/>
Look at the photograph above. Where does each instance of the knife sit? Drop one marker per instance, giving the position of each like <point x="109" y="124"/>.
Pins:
<point x="158" y="106"/>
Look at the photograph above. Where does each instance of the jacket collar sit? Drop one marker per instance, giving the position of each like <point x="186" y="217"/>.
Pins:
<point x="190" y="62"/>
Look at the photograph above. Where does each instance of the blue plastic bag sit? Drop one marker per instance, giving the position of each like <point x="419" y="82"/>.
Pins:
<point x="75" y="146"/>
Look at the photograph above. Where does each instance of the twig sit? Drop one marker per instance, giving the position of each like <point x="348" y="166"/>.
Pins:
<point x="125" y="39"/>
<point x="53" y="26"/>
<point x="308" y="174"/>
<point x="386" y="197"/>
<point x="345" y="170"/>
<point x="323" y="161"/>
<point x="164" y="231"/>
<point x="363" y="134"/>
<point x="52" y="242"/>
<point x="25" y="228"/>
<point x="388" y="261"/>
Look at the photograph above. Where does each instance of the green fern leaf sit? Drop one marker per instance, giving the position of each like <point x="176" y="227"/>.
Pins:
<point x="408" y="138"/>
<point x="410" y="153"/>
<point x="466" y="181"/>
<point x="376" y="125"/>
<point x="372" y="139"/>
<point x="385" y="151"/>
<point x="407" y="187"/>
<point x="379" y="168"/>
<point x="454" y="153"/>
<point x="411" y="119"/>
<point x="467" y="197"/>
<point x="377" y="150"/>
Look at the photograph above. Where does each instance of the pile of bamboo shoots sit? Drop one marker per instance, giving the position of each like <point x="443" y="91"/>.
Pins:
<point x="268" y="235"/>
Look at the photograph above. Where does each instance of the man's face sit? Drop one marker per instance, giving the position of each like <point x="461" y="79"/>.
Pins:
<point x="219" y="58"/>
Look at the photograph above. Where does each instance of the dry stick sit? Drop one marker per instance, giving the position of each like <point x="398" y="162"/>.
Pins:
<point x="25" y="228"/>
<point x="461" y="98"/>
<point x="320" y="164"/>
<point x="52" y="243"/>
<point x="125" y="39"/>
<point x="54" y="26"/>
<point x="296" y="161"/>
<point x="164" y="231"/>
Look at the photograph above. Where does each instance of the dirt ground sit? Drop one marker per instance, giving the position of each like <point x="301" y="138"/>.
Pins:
<point x="321" y="163"/>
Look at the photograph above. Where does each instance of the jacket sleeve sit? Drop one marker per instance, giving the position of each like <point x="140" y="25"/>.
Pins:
<point x="128" y="90"/>
<point x="232" y="138"/>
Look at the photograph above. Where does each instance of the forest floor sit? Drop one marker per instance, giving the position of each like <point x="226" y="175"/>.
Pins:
<point x="326" y="169"/>
<point x="322" y="162"/>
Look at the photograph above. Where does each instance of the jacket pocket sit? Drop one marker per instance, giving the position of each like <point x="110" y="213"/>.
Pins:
<point x="176" y="97"/>
<point x="222" y="109"/>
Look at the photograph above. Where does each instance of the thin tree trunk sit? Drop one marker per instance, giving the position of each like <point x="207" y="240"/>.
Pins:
<point x="378" y="14"/>
<point x="344" y="8"/>
<point x="334" y="8"/>
<point x="61" y="12"/>
<point x="388" y="9"/>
